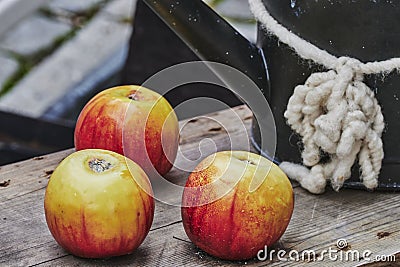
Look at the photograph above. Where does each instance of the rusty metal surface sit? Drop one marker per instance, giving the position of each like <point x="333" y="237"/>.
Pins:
<point x="23" y="137"/>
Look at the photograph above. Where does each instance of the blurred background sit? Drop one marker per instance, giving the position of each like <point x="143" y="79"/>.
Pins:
<point x="57" y="54"/>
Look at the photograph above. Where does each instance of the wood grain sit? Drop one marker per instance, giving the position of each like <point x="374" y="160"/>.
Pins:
<point x="368" y="221"/>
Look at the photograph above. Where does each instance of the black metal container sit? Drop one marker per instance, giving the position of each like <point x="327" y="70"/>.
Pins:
<point x="363" y="29"/>
<point x="23" y="137"/>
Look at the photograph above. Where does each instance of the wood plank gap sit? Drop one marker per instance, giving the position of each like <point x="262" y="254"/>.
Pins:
<point x="50" y="260"/>
<point x="26" y="193"/>
<point x="181" y="239"/>
<point x="166" y="225"/>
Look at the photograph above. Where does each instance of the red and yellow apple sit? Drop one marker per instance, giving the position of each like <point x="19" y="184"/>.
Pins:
<point x="99" y="204"/>
<point x="133" y="121"/>
<point x="235" y="203"/>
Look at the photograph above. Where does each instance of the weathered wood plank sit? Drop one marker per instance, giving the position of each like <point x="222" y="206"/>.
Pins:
<point x="308" y="229"/>
<point x="28" y="176"/>
<point x="21" y="202"/>
<point x="366" y="220"/>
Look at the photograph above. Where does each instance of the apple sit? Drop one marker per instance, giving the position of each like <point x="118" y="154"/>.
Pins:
<point x="133" y="121"/>
<point x="98" y="204"/>
<point x="235" y="203"/>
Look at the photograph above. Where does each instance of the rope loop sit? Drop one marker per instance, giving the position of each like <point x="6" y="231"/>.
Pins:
<point x="334" y="112"/>
<point x="348" y="62"/>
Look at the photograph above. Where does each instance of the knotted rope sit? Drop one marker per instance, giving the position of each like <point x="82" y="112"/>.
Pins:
<point x="334" y="112"/>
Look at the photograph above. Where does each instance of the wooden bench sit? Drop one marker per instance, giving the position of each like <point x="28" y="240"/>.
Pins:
<point x="367" y="221"/>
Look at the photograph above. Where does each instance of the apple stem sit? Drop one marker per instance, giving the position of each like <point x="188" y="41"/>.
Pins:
<point x="249" y="162"/>
<point x="99" y="165"/>
<point x="133" y="97"/>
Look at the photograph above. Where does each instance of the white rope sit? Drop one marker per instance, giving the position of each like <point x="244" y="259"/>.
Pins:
<point x="334" y="112"/>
